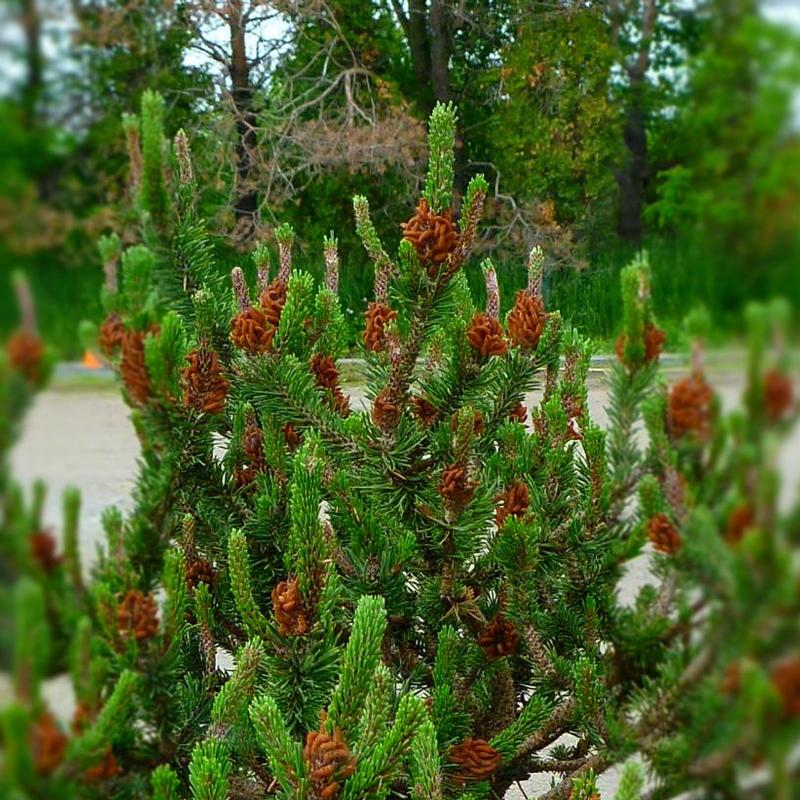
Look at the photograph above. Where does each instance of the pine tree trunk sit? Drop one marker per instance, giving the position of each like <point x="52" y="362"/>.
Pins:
<point x="34" y="62"/>
<point x="633" y="177"/>
<point x="246" y="203"/>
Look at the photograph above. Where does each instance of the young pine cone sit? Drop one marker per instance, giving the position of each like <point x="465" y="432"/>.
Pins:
<point x="327" y="376"/>
<point x="425" y="411"/>
<point x="25" y="353"/>
<point x="455" y="487"/>
<point x="740" y="520"/>
<point x="515" y="502"/>
<point x="106" y="769"/>
<point x="251" y="332"/>
<point x="329" y="763"/>
<point x="43" y="550"/>
<point x="786" y="680"/>
<point x="778" y="395"/>
<point x="199" y="571"/>
<point x="48" y="744"/>
<point x="82" y="718"/>
<point x="324" y="369"/>
<point x="377" y="317"/>
<point x="434" y="236"/>
<point x="690" y="408"/>
<point x="273" y="299"/>
<point x="731" y="679"/>
<point x="664" y="535"/>
<point x="486" y="336"/>
<point x="205" y="388"/>
<point x="137" y="614"/>
<point x="288" y="606"/>
<point x="292" y="437"/>
<point x="340" y="401"/>
<point x="527" y="320"/>
<point x="132" y="367"/>
<point x="499" y="638"/>
<point x="476" y="759"/>
<point x="519" y="414"/>
<point x="385" y="411"/>
<point x="654" y="339"/>
<point x="253" y="445"/>
<point x="110" y="336"/>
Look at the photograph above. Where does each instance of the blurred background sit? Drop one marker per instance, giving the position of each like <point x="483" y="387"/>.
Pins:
<point x="603" y="127"/>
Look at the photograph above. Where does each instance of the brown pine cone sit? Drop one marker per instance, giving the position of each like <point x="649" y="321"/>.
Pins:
<point x="112" y="331"/>
<point x="778" y="395"/>
<point x="132" y="367"/>
<point x="455" y="487"/>
<point x="519" y="414"/>
<point x="731" y="679"/>
<point x="288" y="606"/>
<point x="499" y="638"/>
<point x="201" y="570"/>
<point x="689" y="409"/>
<point x="740" y="520"/>
<point x="244" y="477"/>
<point x="340" y="401"/>
<point x="515" y="499"/>
<point x="425" y="411"/>
<point x="654" y="339"/>
<point x="327" y="376"/>
<point x="105" y="770"/>
<point x="476" y="758"/>
<point x="385" y="411"/>
<point x="43" y="550"/>
<point x="137" y="614"/>
<point x="786" y="680"/>
<point x="205" y="388"/>
<point x="253" y="445"/>
<point x="48" y="744"/>
<point x="251" y="332"/>
<point x="434" y="236"/>
<point x="324" y="369"/>
<point x="664" y="535"/>
<point x="329" y="762"/>
<point x="292" y="437"/>
<point x="485" y="335"/>
<point x="273" y="299"/>
<point x="377" y="317"/>
<point x="25" y="353"/>
<point x="527" y="320"/>
<point x="82" y="717"/>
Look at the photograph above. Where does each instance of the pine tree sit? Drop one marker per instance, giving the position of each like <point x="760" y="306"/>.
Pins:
<point x="416" y="597"/>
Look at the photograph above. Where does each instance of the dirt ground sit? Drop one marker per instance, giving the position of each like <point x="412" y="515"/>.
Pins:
<point x="83" y="438"/>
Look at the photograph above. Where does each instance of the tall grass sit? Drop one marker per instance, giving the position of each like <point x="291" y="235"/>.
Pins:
<point x="684" y="276"/>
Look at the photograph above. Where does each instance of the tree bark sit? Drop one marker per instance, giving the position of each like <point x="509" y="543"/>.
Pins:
<point x="246" y="202"/>
<point x="34" y="63"/>
<point x="416" y="30"/>
<point x="428" y="26"/>
<point x="633" y="176"/>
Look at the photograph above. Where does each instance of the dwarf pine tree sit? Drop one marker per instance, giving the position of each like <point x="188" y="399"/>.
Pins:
<point x="414" y="592"/>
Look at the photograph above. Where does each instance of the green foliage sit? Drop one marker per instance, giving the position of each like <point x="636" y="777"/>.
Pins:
<point x="208" y="771"/>
<point x="420" y="593"/>
<point x="441" y="142"/>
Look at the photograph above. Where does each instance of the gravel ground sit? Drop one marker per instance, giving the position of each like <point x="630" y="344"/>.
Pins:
<point x="82" y="437"/>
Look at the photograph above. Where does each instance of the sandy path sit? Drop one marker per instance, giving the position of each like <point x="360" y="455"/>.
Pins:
<point x="84" y="438"/>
